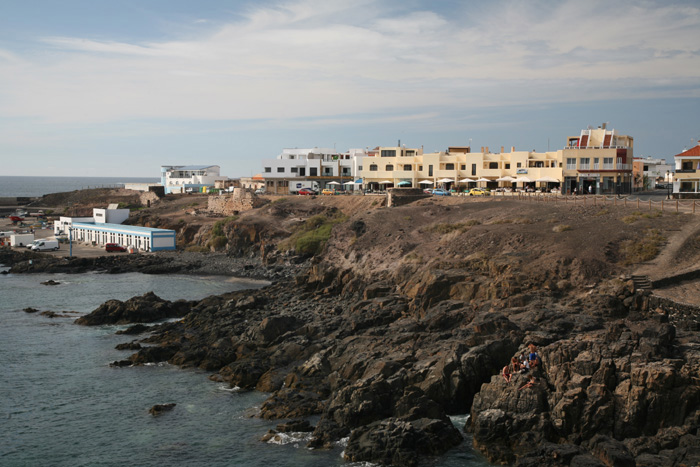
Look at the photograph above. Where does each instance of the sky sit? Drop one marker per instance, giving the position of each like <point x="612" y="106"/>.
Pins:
<point x="119" y="88"/>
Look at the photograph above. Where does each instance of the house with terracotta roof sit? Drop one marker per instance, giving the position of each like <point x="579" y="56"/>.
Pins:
<point x="687" y="182"/>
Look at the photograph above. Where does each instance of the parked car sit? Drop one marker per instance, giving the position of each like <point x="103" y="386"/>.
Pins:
<point x="260" y="191"/>
<point x="115" y="247"/>
<point x="428" y="191"/>
<point x="478" y="192"/>
<point x="307" y="191"/>
<point x="441" y="192"/>
<point x="328" y="191"/>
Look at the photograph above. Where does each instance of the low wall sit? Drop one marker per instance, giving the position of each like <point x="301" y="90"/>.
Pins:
<point x="402" y="196"/>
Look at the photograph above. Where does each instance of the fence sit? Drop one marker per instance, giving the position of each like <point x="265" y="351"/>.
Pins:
<point x="689" y="206"/>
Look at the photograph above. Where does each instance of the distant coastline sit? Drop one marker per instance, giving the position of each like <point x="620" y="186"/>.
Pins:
<point x="34" y="186"/>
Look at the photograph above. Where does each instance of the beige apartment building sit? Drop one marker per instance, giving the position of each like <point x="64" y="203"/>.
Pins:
<point x="597" y="161"/>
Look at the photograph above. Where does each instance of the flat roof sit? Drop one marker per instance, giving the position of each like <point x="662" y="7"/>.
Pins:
<point x="121" y="227"/>
<point x="192" y="167"/>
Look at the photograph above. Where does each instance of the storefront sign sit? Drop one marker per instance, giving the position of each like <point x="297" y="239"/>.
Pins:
<point x="521" y="171"/>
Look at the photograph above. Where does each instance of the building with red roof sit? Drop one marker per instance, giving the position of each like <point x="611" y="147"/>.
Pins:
<point x="687" y="183"/>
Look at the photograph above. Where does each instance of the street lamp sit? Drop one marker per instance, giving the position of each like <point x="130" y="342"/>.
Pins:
<point x="668" y="184"/>
<point x="70" y="242"/>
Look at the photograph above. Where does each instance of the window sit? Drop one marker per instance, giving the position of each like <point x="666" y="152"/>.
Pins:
<point x="507" y="166"/>
<point x="389" y="168"/>
<point x="280" y="170"/>
<point x="596" y="164"/>
<point x="449" y="166"/>
<point x="359" y="167"/>
<point x="410" y="152"/>
<point x="346" y="171"/>
<point x="430" y="171"/>
<point x="313" y="172"/>
<point x="373" y="168"/>
<point x="463" y="167"/>
<point x="493" y="165"/>
<point x="327" y="171"/>
<point x="585" y="163"/>
<point x="294" y="170"/>
<point x="388" y="153"/>
<point x="268" y="169"/>
<point x="570" y="163"/>
<point x="420" y="168"/>
<point x="407" y="167"/>
<point x="473" y="169"/>
<point x="519" y="165"/>
<point x="608" y="163"/>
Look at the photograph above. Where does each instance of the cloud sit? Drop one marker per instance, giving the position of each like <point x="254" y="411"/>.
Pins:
<point x="313" y="59"/>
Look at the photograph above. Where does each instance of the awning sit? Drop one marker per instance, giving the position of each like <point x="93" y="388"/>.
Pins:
<point x="358" y="181"/>
<point x="404" y="183"/>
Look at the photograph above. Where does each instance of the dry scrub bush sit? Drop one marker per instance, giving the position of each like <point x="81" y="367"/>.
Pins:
<point x="642" y="249"/>
<point x="561" y="228"/>
<point x="445" y="228"/>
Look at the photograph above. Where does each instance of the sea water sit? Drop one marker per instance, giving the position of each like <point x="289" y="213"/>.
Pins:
<point x="31" y="186"/>
<point x="61" y="404"/>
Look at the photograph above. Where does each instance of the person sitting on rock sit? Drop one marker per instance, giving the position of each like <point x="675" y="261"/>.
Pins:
<point x="533" y="358"/>
<point x="524" y="364"/>
<point x="529" y="384"/>
<point x="514" y="365"/>
<point x="507" y="375"/>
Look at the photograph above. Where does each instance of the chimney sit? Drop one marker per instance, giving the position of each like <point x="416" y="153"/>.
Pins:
<point x="503" y="149"/>
<point x="512" y="149"/>
<point x="487" y="149"/>
<point x="605" y="126"/>
<point x="482" y="149"/>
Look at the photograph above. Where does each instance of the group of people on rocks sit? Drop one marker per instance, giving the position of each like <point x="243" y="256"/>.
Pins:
<point x="523" y="364"/>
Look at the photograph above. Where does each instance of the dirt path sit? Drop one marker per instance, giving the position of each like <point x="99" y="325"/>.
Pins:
<point x="667" y="262"/>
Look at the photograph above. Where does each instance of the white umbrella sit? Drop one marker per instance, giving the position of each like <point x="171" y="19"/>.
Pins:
<point x="349" y="183"/>
<point x="333" y="183"/>
<point x="385" y="182"/>
<point x="445" y="180"/>
<point x="507" y="178"/>
<point x="522" y="179"/>
<point x="482" y="179"/>
<point x="466" y="180"/>
<point x="426" y="182"/>
<point x="547" y="179"/>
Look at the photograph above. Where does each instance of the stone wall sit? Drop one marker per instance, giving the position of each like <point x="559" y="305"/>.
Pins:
<point x="401" y="196"/>
<point x="238" y="201"/>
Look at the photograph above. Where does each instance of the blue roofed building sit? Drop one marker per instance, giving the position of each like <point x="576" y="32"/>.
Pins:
<point x="140" y="238"/>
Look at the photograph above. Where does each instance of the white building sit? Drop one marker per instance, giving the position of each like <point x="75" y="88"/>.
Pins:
<point x="656" y="170"/>
<point x="111" y="215"/>
<point x="140" y="238"/>
<point x="184" y="178"/>
<point x="321" y="165"/>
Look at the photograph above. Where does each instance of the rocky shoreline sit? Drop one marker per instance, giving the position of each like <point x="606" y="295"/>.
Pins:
<point x="409" y="315"/>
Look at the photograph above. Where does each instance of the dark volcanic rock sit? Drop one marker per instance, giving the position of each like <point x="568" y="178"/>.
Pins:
<point x="144" y="309"/>
<point x="160" y="408"/>
<point x="50" y="282"/>
<point x="400" y="442"/>
<point x="135" y="329"/>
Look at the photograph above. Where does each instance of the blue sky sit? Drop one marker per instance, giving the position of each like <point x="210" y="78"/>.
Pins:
<point x="119" y="88"/>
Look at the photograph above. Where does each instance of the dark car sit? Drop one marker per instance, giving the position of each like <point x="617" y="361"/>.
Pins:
<point x="115" y="247"/>
<point x="308" y="191"/>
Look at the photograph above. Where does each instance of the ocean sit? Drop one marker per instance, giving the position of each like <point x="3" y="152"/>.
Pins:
<point x="39" y="186"/>
<point x="62" y="404"/>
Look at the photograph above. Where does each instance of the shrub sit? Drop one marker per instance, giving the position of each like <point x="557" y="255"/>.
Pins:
<point x="445" y="228"/>
<point x="218" y="229"/>
<point x="218" y="242"/>
<point x="561" y="228"/>
<point x="312" y="235"/>
<point x="642" y="249"/>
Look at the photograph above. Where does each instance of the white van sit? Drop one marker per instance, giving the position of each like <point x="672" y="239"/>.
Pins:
<point x="45" y="245"/>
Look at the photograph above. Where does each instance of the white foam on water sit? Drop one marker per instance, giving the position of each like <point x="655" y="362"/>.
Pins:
<point x="228" y="389"/>
<point x="292" y="437"/>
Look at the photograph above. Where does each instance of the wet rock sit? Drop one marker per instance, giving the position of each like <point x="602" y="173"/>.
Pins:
<point x="143" y="309"/>
<point x="50" y="282"/>
<point x="30" y="310"/>
<point x="158" y="409"/>
<point x="128" y="346"/>
<point x="297" y="426"/>
<point x="135" y="329"/>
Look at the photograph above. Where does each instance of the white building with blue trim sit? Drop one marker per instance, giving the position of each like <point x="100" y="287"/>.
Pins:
<point x="105" y="227"/>
<point x="141" y="238"/>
